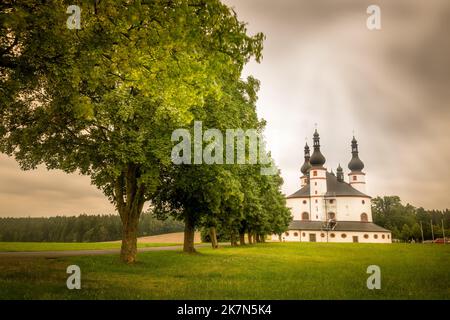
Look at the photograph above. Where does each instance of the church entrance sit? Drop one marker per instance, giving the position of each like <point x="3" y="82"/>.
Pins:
<point x="312" y="237"/>
<point x="355" y="239"/>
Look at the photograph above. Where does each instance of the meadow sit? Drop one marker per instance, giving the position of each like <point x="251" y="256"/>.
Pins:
<point x="261" y="271"/>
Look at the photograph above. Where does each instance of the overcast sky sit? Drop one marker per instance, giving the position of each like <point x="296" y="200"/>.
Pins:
<point x="321" y="65"/>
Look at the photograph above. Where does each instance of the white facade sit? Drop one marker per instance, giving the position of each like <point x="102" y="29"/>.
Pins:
<point x="335" y="236"/>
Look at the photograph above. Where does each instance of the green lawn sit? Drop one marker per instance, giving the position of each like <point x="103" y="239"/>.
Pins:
<point x="263" y="271"/>
<point x="60" y="246"/>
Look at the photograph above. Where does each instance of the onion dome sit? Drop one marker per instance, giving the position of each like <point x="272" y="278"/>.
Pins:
<point x="317" y="159"/>
<point x="355" y="164"/>
<point x="340" y="173"/>
<point x="306" y="165"/>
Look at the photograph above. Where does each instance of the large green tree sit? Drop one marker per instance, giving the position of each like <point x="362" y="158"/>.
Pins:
<point x="103" y="100"/>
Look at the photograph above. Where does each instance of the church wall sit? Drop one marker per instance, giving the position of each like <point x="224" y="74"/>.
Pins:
<point x="351" y="208"/>
<point x="304" y="236"/>
<point x="298" y="207"/>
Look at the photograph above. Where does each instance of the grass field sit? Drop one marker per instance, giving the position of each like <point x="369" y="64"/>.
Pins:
<point x="263" y="271"/>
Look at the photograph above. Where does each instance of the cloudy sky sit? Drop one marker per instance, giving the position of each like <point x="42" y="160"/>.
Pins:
<point x="322" y="65"/>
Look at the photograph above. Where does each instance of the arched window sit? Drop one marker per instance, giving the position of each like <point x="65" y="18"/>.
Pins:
<point x="382" y="236"/>
<point x="332" y="235"/>
<point x="322" y="235"/>
<point x="305" y="216"/>
<point x="295" y="234"/>
<point x="364" y="217"/>
<point x="366" y="236"/>
<point x="375" y="236"/>
<point x="304" y="201"/>
<point x="363" y="201"/>
<point x="331" y="215"/>
<point x="303" y="234"/>
<point x="344" y="235"/>
<point x="388" y="236"/>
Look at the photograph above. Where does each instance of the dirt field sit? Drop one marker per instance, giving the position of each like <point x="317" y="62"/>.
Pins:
<point x="176" y="237"/>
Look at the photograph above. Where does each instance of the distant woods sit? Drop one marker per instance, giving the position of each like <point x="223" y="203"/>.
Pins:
<point x="83" y="228"/>
<point x="404" y="220"/>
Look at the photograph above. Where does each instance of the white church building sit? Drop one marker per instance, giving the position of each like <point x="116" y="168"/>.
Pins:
<point x="327" y="208"/>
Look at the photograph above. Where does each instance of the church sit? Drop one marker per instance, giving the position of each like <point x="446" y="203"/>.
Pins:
<point x="327" y="208"/>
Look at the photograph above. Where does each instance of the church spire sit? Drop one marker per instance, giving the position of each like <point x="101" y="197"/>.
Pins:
<point x="340" y="173"/>
<point x="306" y="165"/>
<point x="355" y="164"/>
<point x="317" y="159"/>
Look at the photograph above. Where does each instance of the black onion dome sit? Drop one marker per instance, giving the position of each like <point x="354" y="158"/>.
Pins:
<point x="317" y="159"/>
<point x="355" y="164"/>
<point x="305" y="168"/>
<point x="306" y="165"/>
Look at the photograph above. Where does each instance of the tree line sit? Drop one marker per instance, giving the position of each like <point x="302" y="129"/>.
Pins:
<point x="82" y="228"/>
<point x="407" y="222"/>
<point x="104" y="100"/>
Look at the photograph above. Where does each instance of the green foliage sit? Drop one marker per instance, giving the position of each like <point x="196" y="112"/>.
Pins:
<point x="103" y="101"/>
<point x="83" y="228"/>
<point x="404" y="220"/>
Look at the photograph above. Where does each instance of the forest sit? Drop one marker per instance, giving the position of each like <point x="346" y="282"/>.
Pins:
<point x="405" y="220"/>
<point x="82" y="228"/>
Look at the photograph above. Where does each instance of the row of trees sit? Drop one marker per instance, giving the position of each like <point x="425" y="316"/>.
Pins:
<point x="83" y="228"/>
<point x="405" y="221"/>
<point x="104" y="100"/>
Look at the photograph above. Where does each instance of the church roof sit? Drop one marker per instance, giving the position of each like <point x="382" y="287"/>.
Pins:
<point x="335" y="188"/>
<point x="340" y="226"/>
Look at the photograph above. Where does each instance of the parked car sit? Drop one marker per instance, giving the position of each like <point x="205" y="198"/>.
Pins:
<point x="441" y="240"/>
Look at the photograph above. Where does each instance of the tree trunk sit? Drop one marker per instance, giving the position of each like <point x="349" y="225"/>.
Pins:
<point x="129" y="198"/>
<point x="189" y="233"/>
<point x="280" y="238"/>
<point x="233" y="239"/>
<point x="242" y="239"/>
<point x="249" y="235"/>
<point x="213" y="236"/>
<point x="129" y="239"/>
<point x="257" y="238"/>
<point x="263" y="238"/>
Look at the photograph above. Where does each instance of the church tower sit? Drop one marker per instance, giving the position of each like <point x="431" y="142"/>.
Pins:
<point x="305" y="168"/>
<point x="356" y="177"/>
<point x="317" y="181"/>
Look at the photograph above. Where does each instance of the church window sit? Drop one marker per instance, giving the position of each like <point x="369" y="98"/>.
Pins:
<point x="331" y="215"/>
<point x="364" y="217"/>
<point x="332" y="235"/>
<point x="287" y="234"/>
<point x="366" y="236"/>
<point x="303" y="234"/>
<point x="322" y="235"/>
<point x="304" y="201"/>
<point x="305" y="216"/>
<point x="315" y="183"/>
<point x="315" y="173"/>
<point x="375" y="236"/>
<point x="388" y="236"/>
<point x="363" y="202"/>
<point x="295" y="234"/>
<point x="354" y="178"/>
<point x="382" y="236"/>
<point x="343" y="235"/>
